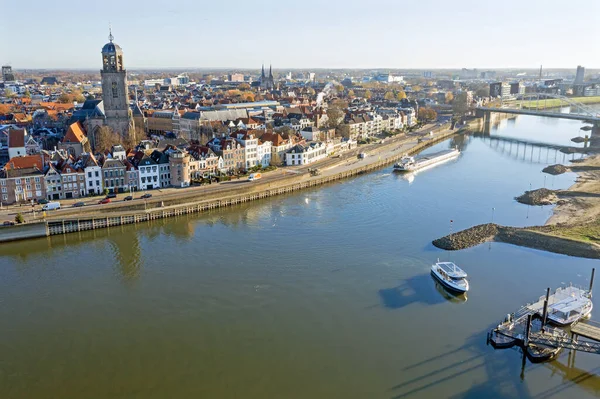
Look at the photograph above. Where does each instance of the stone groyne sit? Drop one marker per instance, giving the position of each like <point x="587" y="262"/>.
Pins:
<point x="533" y="237"/>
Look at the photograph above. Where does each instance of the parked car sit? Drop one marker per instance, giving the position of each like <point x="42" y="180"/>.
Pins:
<point x="111" y="195"/>
<point x="147" y="195"/>
<point x="50" y="206"/>
<point x="8" y="223"/>
<point x="78" y="204"/>
<point x="43" y="201"/>
<point x="104" y="201"/>
<point x="128" y="198"/>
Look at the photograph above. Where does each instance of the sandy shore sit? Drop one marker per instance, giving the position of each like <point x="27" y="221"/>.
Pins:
<point x="580" y="204"/>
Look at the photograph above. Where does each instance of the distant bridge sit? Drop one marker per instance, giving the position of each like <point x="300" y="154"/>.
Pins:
<point x="537" y="106"/>
<point x="523" y="150"/>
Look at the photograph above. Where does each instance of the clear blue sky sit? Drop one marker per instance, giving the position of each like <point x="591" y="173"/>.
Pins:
<point x="303" y="34"/>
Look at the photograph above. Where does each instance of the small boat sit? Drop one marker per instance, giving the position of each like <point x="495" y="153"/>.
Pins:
<point x="568" y="305"/>
<point x="411" y="164"/>
<point x="451" y="276"/>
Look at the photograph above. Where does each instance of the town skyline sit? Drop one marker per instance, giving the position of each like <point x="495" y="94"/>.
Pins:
<point x="198" y="36"/>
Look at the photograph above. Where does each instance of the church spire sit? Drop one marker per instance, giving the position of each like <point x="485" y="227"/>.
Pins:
<point x="263" y="71"/>
<point x="110" y="35"/>
<point x="271" y="71"/>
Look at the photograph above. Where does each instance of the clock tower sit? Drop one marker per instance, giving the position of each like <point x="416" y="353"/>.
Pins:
<point x="115" y="95"/>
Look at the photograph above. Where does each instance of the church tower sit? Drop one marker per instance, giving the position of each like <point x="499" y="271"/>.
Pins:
<point x="114" y="89"/>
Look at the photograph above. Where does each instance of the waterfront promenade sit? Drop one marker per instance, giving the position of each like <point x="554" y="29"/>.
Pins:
<point x="174" y="202"/>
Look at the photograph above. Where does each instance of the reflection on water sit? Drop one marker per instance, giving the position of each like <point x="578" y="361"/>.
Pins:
<point x="448" y="295"/>
<point x="321" y="294"/>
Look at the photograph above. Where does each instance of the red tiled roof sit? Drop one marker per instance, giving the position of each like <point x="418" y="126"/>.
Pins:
<point x="75" y="134"/>
<point x="28" y="161"/>
<point x="16" y="138"/>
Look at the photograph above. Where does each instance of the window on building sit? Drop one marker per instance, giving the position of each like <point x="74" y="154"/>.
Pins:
<point x="2" y="182"/>
<point x="96" y="174"/>
<point x="4" y="197"/>
<point x="115" y="91"/>
<point x="90" y="174"/>
<point x="17" y="181"/>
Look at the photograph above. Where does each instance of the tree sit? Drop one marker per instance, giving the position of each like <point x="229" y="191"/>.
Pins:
<point x="27" y="93"/>
<point x="401" y="95"/>
<point x="417" y="88"/>
<point x="483" y="91"/>
<point x="310" y="91"/>
<point x="350" y="93"/>
<point x="368" y="94"/>
<point x="427" y="114"/>
<point x="339" y="88"/>
<point x="388" y="96"/>
<point x="64" y="98"/>
<point x="460" y="105"/>
<point x="19" y="218"/>
<point x="449" y="97"/>
<point x="105" y="138"/>
<point x="335" y="113"/>
<point x="105" y="191"/>
<point x="343" y="130"/>
<point x="244" y="86"/>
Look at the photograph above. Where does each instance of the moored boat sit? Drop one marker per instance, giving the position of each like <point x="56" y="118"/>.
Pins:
<point x="450" y="276"/>
<point x="411" y="164"/>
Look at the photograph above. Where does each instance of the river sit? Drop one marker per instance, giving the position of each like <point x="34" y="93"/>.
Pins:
<point x="321" y="294"/>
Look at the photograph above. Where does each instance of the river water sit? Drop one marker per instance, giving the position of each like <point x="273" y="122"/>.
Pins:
<point x="321" y="294"/>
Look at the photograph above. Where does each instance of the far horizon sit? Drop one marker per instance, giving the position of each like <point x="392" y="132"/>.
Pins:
<point x="336" y="35"/>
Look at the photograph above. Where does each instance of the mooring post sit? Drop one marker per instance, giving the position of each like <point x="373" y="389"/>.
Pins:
<point x="545" y="313"/>
<point x="527" y="331"/>
<point x="592" y="280"/>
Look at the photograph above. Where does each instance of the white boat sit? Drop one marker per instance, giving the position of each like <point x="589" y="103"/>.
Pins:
<point x="411" y="164"/>
<point x="451" y="276"/>
<point x="566" y="306"/>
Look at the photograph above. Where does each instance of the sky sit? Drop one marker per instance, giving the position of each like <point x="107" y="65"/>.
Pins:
<point x="392" y="34"/>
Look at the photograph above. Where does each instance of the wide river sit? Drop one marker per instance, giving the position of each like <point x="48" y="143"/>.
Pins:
<point x="321" y="294"/>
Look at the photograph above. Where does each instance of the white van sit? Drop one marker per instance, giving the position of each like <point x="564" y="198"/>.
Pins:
<point x="50" y="206"/>
<point x="254" y="176"/>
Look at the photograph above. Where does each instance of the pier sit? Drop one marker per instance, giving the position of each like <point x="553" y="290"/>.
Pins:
<point x="527" y="328"/>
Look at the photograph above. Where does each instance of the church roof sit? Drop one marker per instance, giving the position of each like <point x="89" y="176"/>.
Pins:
<point x="111" y="47"/>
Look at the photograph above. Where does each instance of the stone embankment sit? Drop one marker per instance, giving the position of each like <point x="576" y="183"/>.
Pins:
<point x="467" y="238"/>
<point x="533" y="237"/>
<point x="541" y="196"/>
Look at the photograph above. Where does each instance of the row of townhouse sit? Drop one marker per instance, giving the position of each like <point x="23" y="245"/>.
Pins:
<point x="364" y="125"/>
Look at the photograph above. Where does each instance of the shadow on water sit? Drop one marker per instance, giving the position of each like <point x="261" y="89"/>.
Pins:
<point x="459" y="363"/>
<point x="417" y="289"/>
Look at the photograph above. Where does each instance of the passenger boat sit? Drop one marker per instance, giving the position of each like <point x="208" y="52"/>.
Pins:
<point x="451" y="276"/>
<point x="567" y="305"/>
<point x="411" y="164"/>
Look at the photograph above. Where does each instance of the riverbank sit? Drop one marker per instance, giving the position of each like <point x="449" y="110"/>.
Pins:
<point x="205" y="198"/>
<point x="545" y="238"/>
<point x="574" y="228"/>
<point x="555" y="102"/>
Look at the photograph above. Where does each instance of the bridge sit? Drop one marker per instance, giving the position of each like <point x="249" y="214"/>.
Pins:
<point x="530" y="151"/>
<point x="536" y="104"/>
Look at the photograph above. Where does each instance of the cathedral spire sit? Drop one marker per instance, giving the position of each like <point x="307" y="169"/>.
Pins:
<point x="270" y="70"/>
<point x="263" y="71"/>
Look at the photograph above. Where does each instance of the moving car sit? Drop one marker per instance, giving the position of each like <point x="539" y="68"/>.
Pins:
<point x="128" y="198"/>
<point x="147" y="195"/>
<point x="42" y="201"/>
<point x="50" y="206"/>
<point x="8" y="223"/>
<point x="78" y="204"/>
<point x="104" y="201"/>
